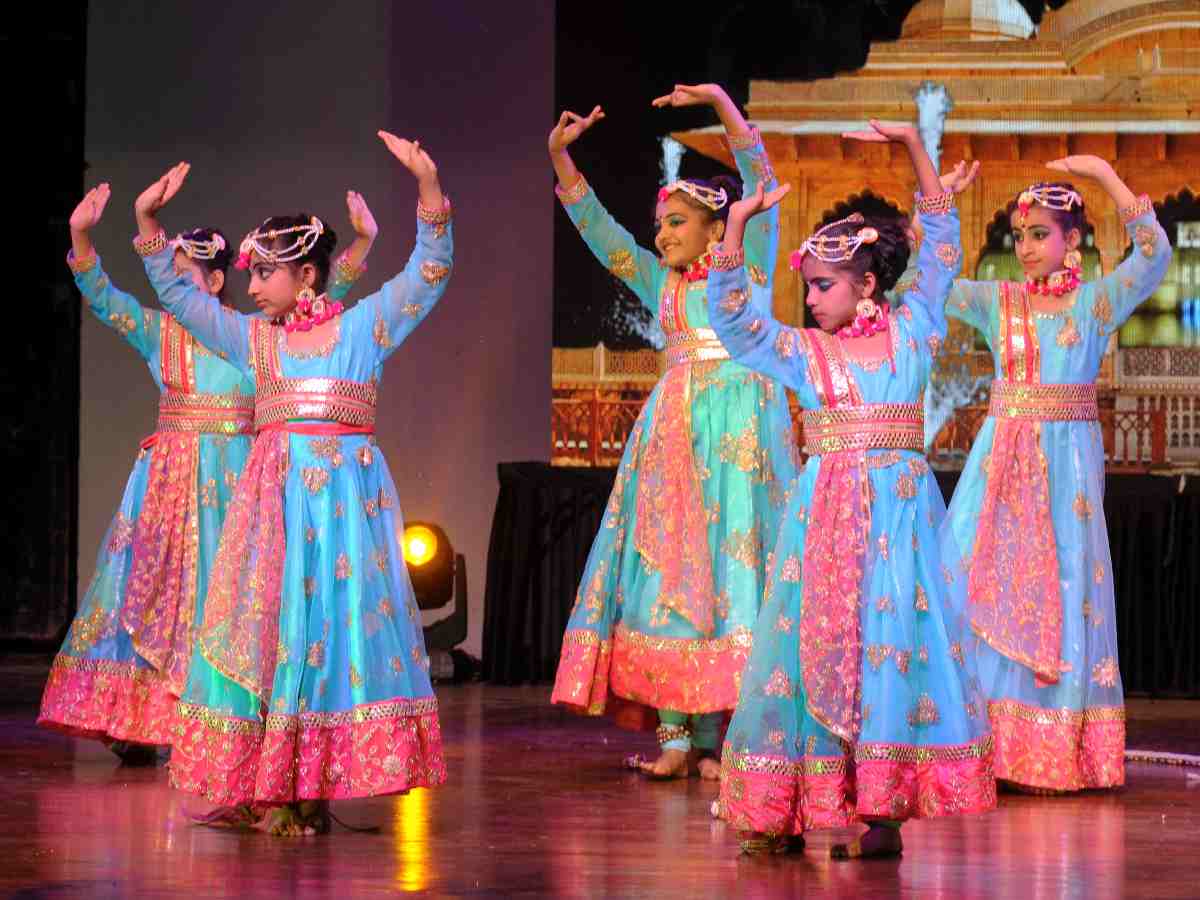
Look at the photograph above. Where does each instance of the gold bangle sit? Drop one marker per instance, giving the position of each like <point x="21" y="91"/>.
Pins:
<point x="79" y="266"/>
<point x="151" y="245"/>
<point x="345" y="271"/>
<point x="723" y="262"/>
<point x="434" y="216"/>
<point x="1140" y="207"/>
<point x="574" y="193"/>
<point x="746" y="141"/>
<point x="937" y="205"/>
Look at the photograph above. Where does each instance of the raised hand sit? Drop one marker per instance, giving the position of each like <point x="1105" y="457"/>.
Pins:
<point x="1083" y="165"/>
<point x="361" y="219"/>
<point x="411" y="156"/>
<point x="960" y="177"/>
<point x="159" y="194"/>
<point x="691" y="95"/>
<point x="882" y="132"/>
<point x="87" y="214"/>
<point x="757" y="202"/>
<point x="570" y="126"/>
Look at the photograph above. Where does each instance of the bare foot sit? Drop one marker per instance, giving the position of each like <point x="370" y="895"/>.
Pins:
<point x="284" y="821"/>
<point x="878" y="842"/>
<point x="709" y="768"/>
<point x="672" y="764"/>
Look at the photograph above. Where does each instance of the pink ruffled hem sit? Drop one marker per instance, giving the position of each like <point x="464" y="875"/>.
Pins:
<point x="682" y="674"/>
<point x="775" y="795"/>
<point x="1059" y="749"/>
<point x="368" y="751"/>
<point x="107" y="700"/>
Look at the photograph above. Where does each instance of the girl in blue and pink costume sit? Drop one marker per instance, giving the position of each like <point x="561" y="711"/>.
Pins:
<point x="858" y="703"/>
<point x="311" y="681"/>
<point x="1028" y="512"/>
<point x="126" y="657"/>
<point x="675" y="577"/>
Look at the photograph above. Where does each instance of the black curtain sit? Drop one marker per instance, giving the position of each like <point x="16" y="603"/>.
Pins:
<point x="546" y="518"/>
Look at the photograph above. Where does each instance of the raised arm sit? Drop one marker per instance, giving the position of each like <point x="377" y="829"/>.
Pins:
<point x="352" y="262"/>
<point x="761" y="241"/>
<point x="751" y="335"/>
<point x="939" y="258"/>
<point x="609" y="242"/>
<point x="1120" y="292"/>
<point x="220" y="329"/>
<point x="112" y="306"/>
<point x="400" y="305"/>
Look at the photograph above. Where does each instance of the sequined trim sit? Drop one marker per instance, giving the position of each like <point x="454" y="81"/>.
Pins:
<point x="1044" y="402"/>
<point x="691" y="345"/>
<point x="374" y="712"/>
<point x="438" y="218"/>
<point x="873" y="426"/>
<point x="103" y="698"/>
<point x="231" y="413"/>
<point x="279" y="399"/>
<point x="1060" y="749"/>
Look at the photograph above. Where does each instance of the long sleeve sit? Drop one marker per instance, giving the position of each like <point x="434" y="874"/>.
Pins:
<point x="971" y="302"/>
<point x="400" y="305"/>
<point x="118" y="310"/>
<point x="222" y="330"/>
<point x="1120" y="292"/>
<point x="753" y="337"/>
<point x="939" y="260"/>
<point x="344" y="278"/>
<point x="612" y="244"/>
<point x="761" y="241"/>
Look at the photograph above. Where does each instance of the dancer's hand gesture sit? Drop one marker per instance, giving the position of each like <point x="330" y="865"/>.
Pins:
<point x="87" y="214"/>
<point x="960" y="177"/>
<point x="1083" y="165"/>
<point x="159" y="194"/>
<point x="757" y="202"/>
<point x="570" y="126"/>
<point x="415" y="159"/>
<point x="361" y="219"/>
<point x="691" y="95"/>
<point x="882" y="132"/>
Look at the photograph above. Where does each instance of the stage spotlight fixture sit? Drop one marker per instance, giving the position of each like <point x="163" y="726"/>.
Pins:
<point x="439" y="575"/>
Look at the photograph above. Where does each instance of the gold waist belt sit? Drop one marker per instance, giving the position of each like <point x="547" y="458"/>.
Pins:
<point x="872" y="426"/>
<point x="327" y="399"/>
<point x="1044" y="402"/>
<point x="694" y="345"/>
<point x="209" y="413"/>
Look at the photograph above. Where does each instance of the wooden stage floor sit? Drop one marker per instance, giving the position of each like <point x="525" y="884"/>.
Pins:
<point x="536" y="805"/>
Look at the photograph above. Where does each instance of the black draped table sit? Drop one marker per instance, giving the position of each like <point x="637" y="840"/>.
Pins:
<point x="546" y="518"/>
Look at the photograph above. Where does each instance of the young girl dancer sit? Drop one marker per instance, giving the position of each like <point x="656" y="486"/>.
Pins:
<point x="857" y="703"/>
<point x="1028" y="512"/>
<point x="125" y="660"/>
<point x="675" y="577"/>
<point x="311" y="682"/>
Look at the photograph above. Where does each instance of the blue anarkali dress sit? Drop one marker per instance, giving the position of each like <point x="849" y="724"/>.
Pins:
<point x="311" y="679"/>
<point x="859" y="699"/>
<point x="675" y="577"/>
<point x="1027" y="517"/>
